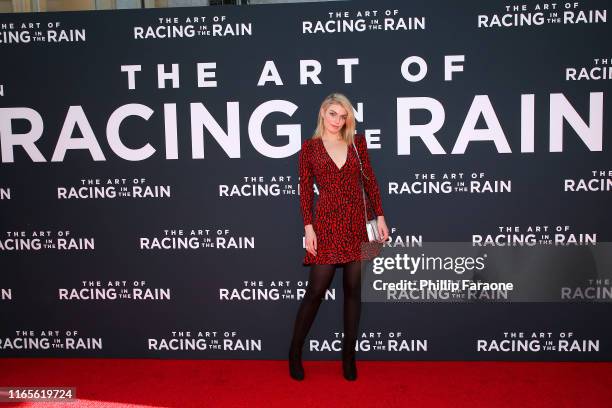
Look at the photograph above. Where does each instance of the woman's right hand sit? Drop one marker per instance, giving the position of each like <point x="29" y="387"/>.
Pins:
<point x="311" y="239"/>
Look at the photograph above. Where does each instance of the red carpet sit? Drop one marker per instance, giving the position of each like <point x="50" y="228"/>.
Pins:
<point x="244" y="383"/>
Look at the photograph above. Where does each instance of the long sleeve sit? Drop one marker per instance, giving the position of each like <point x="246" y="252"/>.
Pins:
<point x="370" y="183"/>
<point x="306" y="183"/>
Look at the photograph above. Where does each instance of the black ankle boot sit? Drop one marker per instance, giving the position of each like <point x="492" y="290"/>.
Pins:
<point x="296" y="370"/>
<point x="349" y="368"/>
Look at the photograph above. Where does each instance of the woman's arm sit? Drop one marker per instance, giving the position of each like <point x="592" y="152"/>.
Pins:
<point x="306" y="184"/>
<point x="369" y="181"/>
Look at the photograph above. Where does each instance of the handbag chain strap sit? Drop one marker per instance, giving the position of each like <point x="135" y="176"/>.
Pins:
<point x="365" y="211"/>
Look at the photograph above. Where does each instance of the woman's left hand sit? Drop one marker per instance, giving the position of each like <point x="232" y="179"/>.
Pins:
<point x="383" y="231"/>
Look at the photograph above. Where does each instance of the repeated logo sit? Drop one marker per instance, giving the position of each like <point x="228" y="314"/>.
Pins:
<point x="332" y="22"/>
<point x="260" y="186"/>
<point x="193" y="27"/>
<point x="600" y="68"/>
<point x="95" y="290"/>
<point x="204" y="340"/>
<point x="449" y="183"/>
<point x="39" y="239"/>
<point x="443" y="290"/>
<point x="530" y="235"/>
<point x="172" y="239"/>
<point x="36" y="340"/>
<point x="593" y="290"/>
<point x="259" y="290"/>
<point x="539" y="14"/>
<point x="371" y="341"/>
<point x="596" y="181"/>
<point x="49" y="32"/>
<point x="113" y="188"/>
<point x="538" y="342"/>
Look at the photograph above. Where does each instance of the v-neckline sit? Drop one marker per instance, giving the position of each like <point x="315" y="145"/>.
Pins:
<point x="332" y="160"/>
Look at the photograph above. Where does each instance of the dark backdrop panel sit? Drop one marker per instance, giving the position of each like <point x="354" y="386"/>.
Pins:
<point x="234" y="290"/>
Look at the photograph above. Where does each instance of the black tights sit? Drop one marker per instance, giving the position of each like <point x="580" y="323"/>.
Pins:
<point x="318" y="281"/>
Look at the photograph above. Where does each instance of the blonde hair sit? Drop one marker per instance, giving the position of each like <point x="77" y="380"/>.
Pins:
<point x="348" y="130"/>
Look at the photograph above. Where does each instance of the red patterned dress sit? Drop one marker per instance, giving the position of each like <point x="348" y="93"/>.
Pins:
<point x="339" y="220"/>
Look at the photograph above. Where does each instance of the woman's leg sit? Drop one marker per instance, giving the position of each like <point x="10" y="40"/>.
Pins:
<point x="318" y="281"/>
<point x="351" y="282"/>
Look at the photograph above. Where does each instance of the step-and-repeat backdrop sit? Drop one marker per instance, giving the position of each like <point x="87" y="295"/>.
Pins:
<point x="149" y="185"/>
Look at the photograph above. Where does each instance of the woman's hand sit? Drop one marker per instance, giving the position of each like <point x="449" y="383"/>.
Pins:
<point x="311" y="239"/>
<point x="383" y="231"/>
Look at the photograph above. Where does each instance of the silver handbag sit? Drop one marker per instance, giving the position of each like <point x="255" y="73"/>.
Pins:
<point x="371" y="225"/>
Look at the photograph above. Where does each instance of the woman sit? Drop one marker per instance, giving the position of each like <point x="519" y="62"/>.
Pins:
<point x="335" y="234"/>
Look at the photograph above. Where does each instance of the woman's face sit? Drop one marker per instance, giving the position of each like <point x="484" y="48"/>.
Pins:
<point x="334" y="118"/>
